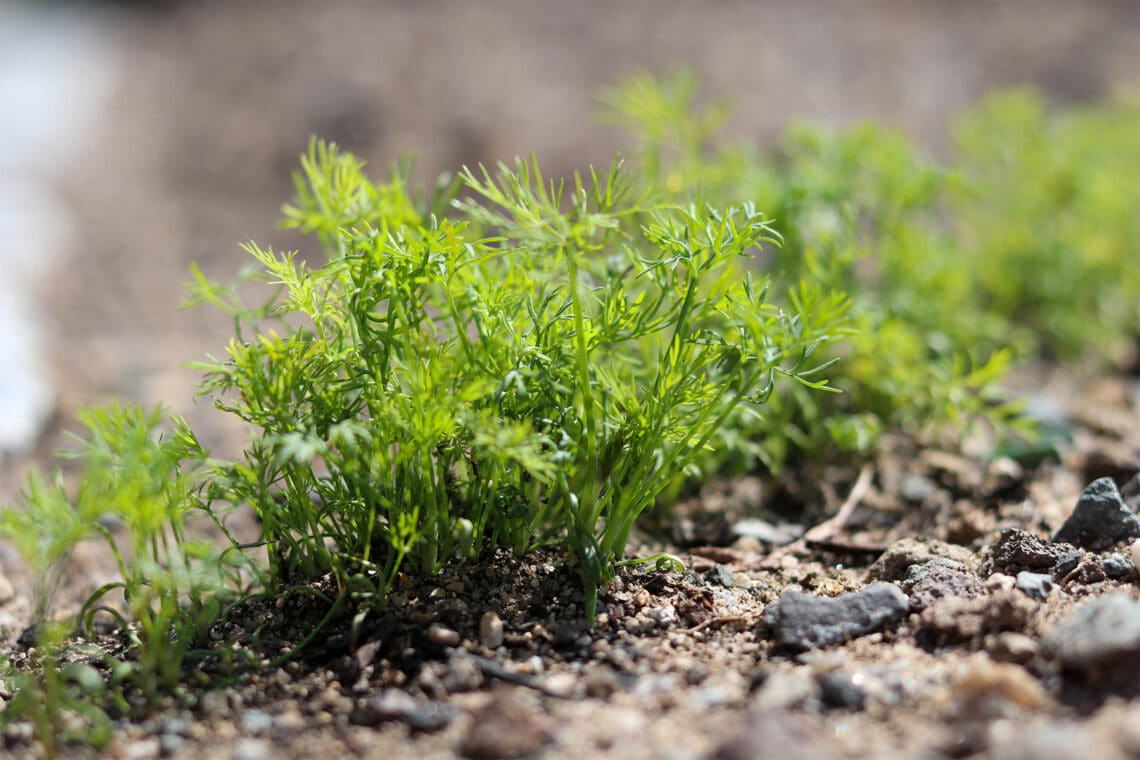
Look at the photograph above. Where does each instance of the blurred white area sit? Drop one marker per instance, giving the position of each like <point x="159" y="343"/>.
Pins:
<point x="56" y="68"/>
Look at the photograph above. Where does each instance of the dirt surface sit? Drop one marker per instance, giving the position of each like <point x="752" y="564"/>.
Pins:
<point x="961" y="625"/>
<point x="194" y="155"/>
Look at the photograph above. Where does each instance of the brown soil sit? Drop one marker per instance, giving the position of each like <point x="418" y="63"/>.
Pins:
<point x="194" y="157"/>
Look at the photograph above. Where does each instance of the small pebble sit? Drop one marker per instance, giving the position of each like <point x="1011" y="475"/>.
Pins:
<point x="1034" y="585"/>
<point x="250" y="749"/>
<point x="170" y="744"/>
<point x="1011" y="647"/>
<point x="1115" y="566"/>
<point x="442" y="635"/>
<point x="839" y="691"/>
<point x="491" y="630"/>
<point x="1135" y="552"/>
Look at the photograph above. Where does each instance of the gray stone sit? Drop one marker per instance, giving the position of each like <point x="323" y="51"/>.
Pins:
<point x="1100" y="519"/>
<point x="1117" y="566"/>
<point x="1034" y="585"/>
<point x="1098" y="631"/>
<point x="837" y="690"/>
<point x="719" y="575"/>
<point x="802" y="621"/>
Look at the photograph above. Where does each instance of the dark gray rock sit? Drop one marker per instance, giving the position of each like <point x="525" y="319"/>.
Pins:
<point x="1117" y="567"/>
<point x="1017" y="550"/>
<point x="719" y="575"/>
<point x="1035" y="585"/>
<point x="837" y="690"/>
<point x="802" y="621"/>
<point x="1067" y="563"/>
<point x="1100" y="519"/>
<point x="1101" y="630"/>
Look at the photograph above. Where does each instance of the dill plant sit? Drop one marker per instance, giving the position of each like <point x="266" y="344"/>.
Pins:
<point x="860" y="211"/>
<point x="532" y="367"/>
<point x="1048" y="212"/>
<point x="138" y="490"/>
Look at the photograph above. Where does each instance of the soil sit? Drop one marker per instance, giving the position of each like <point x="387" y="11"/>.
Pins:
<point x="493" y="659"/>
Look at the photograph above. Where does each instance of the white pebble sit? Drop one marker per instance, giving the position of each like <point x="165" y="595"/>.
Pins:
<point x="1136" y="553"/>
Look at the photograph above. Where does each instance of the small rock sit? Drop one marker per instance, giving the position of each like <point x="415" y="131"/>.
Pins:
<point x="462" y="674"/>
<point x="892" y="564"/>
<point x="802" y="621"/>
<point x="719" y="575"/>
<point x="1002" y="476"/>
<point x="504" y="728"/>
<point x="1016" y="550"/>
<point x="787" y="689"/>
<point x="1115" y="566"/>
<point x="958" y="619"/>
<point x="1135" y="552"/>
<point x="430" y="717"/>
<point x="491" y="630"/>
<point x="916" y="487"/>
<point x="1011" y="647"/>
<point x="255" y="722"/>
<point x="1100" y="519"/>
<point x="388" y="705"/>
<point x="1100" y="630"/>
<point x="250" y="749"/>
<point x="767" y="533"/>
<point x="837" y="690"/>
<point x="1034" y="585"/>
<point x="442" y="635"/>
<point x="983" y="689"/>
<point x="937" y="579"/>
<point x="1067" y="563"/>
<point x="170" y="744"/>
<point x="1086" y="573"/>
<point x="144" y="749"/>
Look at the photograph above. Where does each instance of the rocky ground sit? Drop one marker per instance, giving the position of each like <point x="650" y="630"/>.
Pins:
<point x="950" y="608"/>
<point x="922" y="605"/>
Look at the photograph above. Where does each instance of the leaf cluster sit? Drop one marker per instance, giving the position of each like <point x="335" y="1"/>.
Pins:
<point x="534" y="368"/>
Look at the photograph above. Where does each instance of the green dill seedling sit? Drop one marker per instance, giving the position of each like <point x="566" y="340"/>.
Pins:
<point x="532" y="369"/>
<point x="1049" y="218"/>
<point x="145" y="482"/>
<point x="860" y="212"/>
